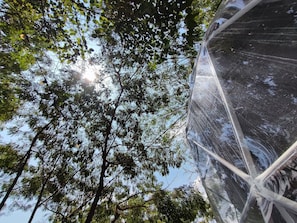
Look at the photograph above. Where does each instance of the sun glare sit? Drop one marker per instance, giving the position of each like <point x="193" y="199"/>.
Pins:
<point x="89" y="72"/>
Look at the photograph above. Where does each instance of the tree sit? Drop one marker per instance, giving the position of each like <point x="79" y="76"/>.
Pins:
<point x="30" y="28"/>
<point x="104" y="132"/>
<point x="149" y="29"/>
<point x="8" y="100"/>
<point x="183" y="204"/>
<point x="102" y="142"/>
<point x="153" y="30"/>
<point x="21" y="165"/>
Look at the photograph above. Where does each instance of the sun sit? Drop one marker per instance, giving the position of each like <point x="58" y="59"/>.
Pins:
<point x="90" y="73"/>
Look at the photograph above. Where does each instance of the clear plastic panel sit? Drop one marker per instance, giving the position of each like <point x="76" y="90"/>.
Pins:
<point x="256" y="60"/>
<point x="209" y="125"/>
<point x="227" y="12"/>
<point x="225" y="189"/>
<point x="242" y="122"/>
<point x="253" y="213"/>
<point x="284" y="180"/>
<point x="275" y="213"/>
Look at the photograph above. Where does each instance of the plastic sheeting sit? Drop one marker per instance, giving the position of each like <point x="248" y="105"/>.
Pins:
<point x="242" y="121"/>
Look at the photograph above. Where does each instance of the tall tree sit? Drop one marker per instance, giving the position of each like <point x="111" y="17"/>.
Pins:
<point x="107" y="133"/>
<point x="93" y="148"/>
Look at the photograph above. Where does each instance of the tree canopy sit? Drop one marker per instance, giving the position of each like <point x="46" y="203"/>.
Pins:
<point x="88" y="151"/>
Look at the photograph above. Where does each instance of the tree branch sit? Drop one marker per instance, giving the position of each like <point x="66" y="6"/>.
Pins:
<point x="23" y="164"/>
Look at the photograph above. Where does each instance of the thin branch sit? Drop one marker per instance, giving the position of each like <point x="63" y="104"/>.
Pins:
<point x="164" y="132"/>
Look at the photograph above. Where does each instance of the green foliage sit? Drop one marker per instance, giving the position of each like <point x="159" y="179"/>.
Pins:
<point x="9" y="101"/>
<point x="152" y="30"/>
<point x="31" y="186"/>
<point x="203" y="11"/>
<point x="127" y="162"/>
<point x="30" y="27"/>
<point x="181" y="205"/>
<point x="141" y="28"/>
<point x="96" y="130"/>
<point x="106" y="140"/>
<point x="9" y="159"/>
<point x="149" y="31"/>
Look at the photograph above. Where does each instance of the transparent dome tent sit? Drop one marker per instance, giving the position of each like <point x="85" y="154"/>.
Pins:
<point x="242" y="121"/>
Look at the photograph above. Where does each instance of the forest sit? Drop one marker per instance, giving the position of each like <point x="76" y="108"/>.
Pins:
<point x="93" y="100"/>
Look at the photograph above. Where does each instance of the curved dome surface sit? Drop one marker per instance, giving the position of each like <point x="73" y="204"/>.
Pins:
<point x="242" y="119"/>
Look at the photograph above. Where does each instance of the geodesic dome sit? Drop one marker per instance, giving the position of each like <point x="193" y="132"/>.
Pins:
<point x="242" y="121"/>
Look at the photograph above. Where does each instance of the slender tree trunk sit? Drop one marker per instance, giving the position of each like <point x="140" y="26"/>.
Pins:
<point x="38" y="202"/>
<point x="37" y="205"/>
<point x="19" y="173"/>
<point x="98" y="194"/>
<point x="104" y="158"/>
<point x="22" y="165"/>
<point x="102" y="175"/>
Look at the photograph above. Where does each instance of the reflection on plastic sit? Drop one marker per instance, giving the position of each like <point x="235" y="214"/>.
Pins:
<point x="242" y="122"/>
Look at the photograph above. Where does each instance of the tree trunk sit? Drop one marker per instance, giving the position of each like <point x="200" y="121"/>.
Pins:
<point x="98" y="194"/>
<point x="104" y="158"/>
<point x="38" y="202"/>
<point x="37" y="205"/>
<point x="22" y="165"/>
<point x="19" y="173"/>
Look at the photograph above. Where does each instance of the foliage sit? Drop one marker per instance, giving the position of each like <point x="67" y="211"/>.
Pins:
<point x="28" y="29"/>
<point x="181" y="205"/>
<point x="8" y="100"/>
<point x="148" y="30"/>
<point x="203" y="11"/>
<point x="152" y="29"/>
<point x="100" y="139"/>
<point x="89" y="151"/>
<point x="143" y="27"/>
<point x="8" y="159"/>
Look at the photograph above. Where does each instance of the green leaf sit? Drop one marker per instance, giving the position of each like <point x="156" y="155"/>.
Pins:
<point x="9" y="159"/>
